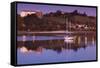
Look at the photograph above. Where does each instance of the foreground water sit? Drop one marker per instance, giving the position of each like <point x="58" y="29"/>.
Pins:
<point x="50" y="49"/>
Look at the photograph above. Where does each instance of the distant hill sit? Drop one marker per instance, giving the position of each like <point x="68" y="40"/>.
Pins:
<point x="57" y="21"/>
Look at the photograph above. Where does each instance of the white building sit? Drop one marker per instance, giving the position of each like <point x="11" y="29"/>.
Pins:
<point x="27" y="12"/>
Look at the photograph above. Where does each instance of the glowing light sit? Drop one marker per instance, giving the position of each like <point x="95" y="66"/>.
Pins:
<point x="93" y="41"/>
<point x="85" y="40"/>
<point x="79" y="40"/>
<point x="24" y="38"/>
<point x="33" y="38"/>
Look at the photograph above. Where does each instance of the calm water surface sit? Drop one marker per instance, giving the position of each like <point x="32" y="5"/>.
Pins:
<point x="48" y="49"/>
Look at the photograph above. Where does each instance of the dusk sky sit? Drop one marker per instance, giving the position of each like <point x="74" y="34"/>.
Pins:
<point x="90" y="11"/>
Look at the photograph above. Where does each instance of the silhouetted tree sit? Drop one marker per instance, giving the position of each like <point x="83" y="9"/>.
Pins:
<point x="75" y="12"/>
<point x="20" y="23"/>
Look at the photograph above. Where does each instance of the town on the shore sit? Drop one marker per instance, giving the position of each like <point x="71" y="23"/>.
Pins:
<point x="31" y="21"/>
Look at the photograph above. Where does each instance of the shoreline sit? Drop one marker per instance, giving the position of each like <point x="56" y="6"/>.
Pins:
<point x="56" y="33"/>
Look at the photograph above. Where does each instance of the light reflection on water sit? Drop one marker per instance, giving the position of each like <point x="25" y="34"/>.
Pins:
<point x="48" y="49"/>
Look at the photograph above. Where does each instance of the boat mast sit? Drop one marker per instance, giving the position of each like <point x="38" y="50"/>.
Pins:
<point x="67" y="25"/>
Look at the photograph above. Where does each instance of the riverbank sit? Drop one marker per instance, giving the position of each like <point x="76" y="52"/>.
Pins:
<point x="54" y="32"/>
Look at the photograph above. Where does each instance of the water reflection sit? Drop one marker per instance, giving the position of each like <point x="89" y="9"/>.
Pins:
<point x="58" y="44"/>
<point x="58" y="48"/>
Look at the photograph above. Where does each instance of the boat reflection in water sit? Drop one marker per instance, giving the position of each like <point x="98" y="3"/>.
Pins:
<point x="48" y="49"/>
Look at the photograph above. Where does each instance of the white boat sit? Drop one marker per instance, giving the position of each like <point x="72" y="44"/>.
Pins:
<point x="68" y="39"/>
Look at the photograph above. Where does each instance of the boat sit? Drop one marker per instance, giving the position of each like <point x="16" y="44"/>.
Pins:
<point x="68" y="39"/>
